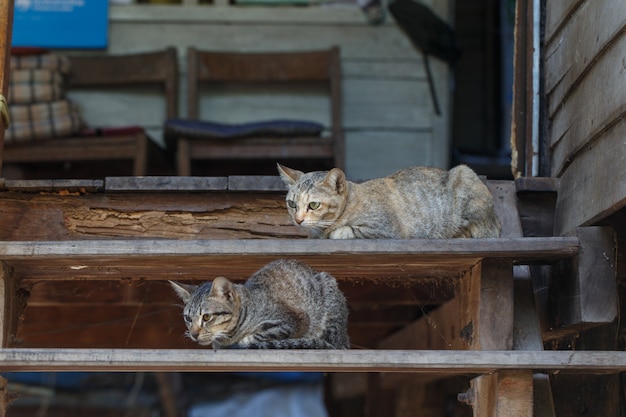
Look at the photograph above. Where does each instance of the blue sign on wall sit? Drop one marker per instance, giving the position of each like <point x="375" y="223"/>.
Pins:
<point x="60" y="23"/>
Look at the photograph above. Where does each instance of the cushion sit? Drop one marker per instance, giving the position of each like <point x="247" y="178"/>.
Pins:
<point x="197" y="129"/>
<point x="35" y="86"/>
<point x="52" y="61"/>
<point x="30" y="122"/>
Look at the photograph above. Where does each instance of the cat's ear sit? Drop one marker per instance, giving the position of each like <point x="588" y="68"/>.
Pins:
<point x="184" y="291"/>
<point x="289" y="176"/>
<point x="222" y="288"/>
<point x="336" y="179"/>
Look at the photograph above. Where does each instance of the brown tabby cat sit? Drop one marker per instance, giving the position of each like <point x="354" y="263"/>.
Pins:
<point x="284" y="305"/>
<point x="413" y="203"/>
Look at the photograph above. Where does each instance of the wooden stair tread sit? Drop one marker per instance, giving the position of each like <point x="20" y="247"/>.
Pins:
<point x="209" y="360"/>
<point x="376" y="259"/>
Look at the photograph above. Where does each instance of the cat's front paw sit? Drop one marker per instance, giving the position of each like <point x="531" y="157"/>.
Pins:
<point x="344" y="232"/>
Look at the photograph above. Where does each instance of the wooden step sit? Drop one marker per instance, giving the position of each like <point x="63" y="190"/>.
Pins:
<point x="205" y="259"/>
<point x="208" y="360"/>
<point x="387" y="282"/>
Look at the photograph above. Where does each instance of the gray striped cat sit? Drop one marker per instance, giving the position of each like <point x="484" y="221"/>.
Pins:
<point x="413" y="203"/>
<point x="284" y="305"/>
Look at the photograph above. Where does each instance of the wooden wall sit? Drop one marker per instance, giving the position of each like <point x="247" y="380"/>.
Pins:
<point x="388" y="115"/>
<point x="585" y="67"/>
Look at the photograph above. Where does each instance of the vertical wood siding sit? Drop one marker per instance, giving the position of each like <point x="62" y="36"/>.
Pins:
<point x="585" y="68"/>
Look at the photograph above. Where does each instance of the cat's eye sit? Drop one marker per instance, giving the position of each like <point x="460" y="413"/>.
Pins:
<point x="314" y="205"/>
<point x="292" y="204"/>
<point x="187" y="318"/>
<point x="206" y="317"/>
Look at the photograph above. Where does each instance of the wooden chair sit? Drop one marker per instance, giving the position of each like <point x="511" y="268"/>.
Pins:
<point x="158" y="68"/>
<point x="276" y="69"/>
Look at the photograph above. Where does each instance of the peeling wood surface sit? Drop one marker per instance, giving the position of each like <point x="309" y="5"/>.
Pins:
<point x="199" y="215"/>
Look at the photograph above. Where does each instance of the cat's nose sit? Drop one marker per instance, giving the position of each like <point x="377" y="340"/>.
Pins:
<point x="193" y="334"/>
<point x="299" y="220"/>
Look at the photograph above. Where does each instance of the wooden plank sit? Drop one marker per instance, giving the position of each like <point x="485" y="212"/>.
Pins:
<point x="208" y="360"/>
<point x="6" y="28"/>
<point x="54" y="186"/>
<point x="586" y="116"/>
<point x="486" y="306"/>
<point x="458" y="251"/>
<point x="584" y="292"/>
<point x="571" y="55"/>
<point x="558" y="12"/>
<point x="503" y="394"/>
<point x="589" y="190"/>
<point x="191" y="259"/>
<point x="41" y="214"/>
<point x="165" y="184"/>
<point x="202" y="260"/>
<point x="13" y="301"/>
<point x="256" y="183"/>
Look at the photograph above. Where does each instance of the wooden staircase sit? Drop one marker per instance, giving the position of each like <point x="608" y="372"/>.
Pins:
<point x="114" y="243"/>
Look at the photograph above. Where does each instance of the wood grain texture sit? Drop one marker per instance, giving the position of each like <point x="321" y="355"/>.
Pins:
<point x="208" y="360"/>
<point x="557" y="13"/>
<point x="503" y="394"/>
<point x="584" y="292"/>
<point x="572" y="54"/>
<point x="156" y="209"/>
<point x="593" y="108"/>
<point x="591" y="188"/>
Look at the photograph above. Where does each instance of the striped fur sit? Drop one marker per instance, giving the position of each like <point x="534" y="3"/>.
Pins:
<point x="413" y="203"/>
<point x="284" y="305"/>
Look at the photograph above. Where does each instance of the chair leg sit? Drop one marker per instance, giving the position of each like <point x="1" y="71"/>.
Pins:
<point x="141" y="155"/>
<point x="184" y="157"/>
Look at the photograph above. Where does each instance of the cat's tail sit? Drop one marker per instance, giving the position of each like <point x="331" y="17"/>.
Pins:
<point x="291" y="344"/>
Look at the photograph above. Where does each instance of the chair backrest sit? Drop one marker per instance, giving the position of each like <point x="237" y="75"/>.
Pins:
<point x="147" y="68"/>
<point x="320" y="66"/>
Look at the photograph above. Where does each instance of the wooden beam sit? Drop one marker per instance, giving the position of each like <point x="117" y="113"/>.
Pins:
<point x="451" y="362"/>
<point x="486" y="300"/>
<point x="502" y="394"/>
<point x="584" y="292"/>
<point x="6" y="29"/>
<point x="518" y="249"/>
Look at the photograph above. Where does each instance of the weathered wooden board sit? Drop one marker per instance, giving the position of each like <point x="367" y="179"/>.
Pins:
<point x="557" y="12"/>
<point x="208" y="360"/>
<point x="346" y="259"/>
<point x="59" y="215"/>
<point x="593" y="187"/>
<point x="571" y="55"/>
<point x="593" y="108"/>
<point x="584" y="292"/>
<point x="503" y="394"/>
